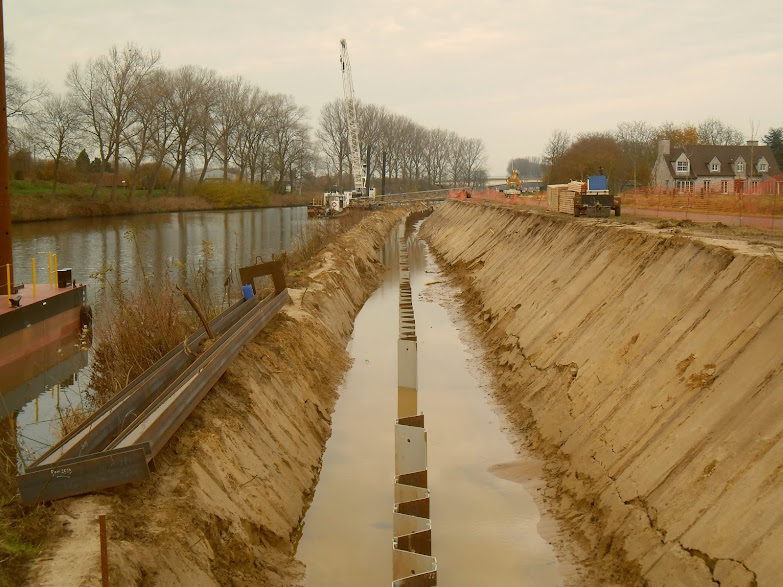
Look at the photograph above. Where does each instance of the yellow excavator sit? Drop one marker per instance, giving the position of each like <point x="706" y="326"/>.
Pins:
<point x="512" y="184"/>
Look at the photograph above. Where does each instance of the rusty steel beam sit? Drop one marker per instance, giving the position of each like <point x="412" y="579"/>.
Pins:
<point x="83" y="474"/>
<point x="126" y="454"/>
<point x="6" y="249"/>
<point x="95" y="433"/>
<point x="161" y="419"/>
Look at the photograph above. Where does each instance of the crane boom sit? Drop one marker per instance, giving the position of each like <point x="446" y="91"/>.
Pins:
<point x="359" y="174"/>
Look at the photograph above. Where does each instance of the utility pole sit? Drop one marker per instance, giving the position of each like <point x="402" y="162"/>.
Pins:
<point x="6" y="250"/>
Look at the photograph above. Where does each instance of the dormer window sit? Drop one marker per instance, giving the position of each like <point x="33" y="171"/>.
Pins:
<point x="740" y="167"/>
<point x="762" y="166"/>
<point x="683" y="166"/>
<point x="715" y="167"/>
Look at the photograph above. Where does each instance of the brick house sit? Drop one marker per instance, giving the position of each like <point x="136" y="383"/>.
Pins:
<point x="717" y="169"/>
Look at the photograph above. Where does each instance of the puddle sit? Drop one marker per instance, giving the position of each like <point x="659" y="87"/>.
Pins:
<point x="484" y="523"/>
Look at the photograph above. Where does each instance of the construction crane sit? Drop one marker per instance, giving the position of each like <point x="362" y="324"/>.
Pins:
<point x="359" y="171"/>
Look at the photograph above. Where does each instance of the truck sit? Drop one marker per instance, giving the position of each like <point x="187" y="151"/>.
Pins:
<point x="590" y="198"/>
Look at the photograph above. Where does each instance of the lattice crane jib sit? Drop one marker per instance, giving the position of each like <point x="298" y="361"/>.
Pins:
<point x="359" y="175"/>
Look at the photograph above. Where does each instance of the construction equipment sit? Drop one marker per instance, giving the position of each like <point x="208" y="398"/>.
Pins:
<point x="357" y="166"/>
<point x="590" y="198"/>
<point x="512" y="184"/>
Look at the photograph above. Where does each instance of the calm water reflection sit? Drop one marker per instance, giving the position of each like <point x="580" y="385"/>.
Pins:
<point x="166" y="242"/>
<point x="484" y="528"/>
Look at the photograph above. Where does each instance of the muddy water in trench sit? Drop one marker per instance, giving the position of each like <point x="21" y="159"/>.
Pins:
<point x="484" y="527"/>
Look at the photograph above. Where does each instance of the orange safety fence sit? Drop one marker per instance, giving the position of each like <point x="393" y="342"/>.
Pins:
<point x="760" y="206"/>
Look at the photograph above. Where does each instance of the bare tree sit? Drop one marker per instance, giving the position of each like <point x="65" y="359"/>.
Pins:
<point x="192" y="96"/>
<point x="714" y="132"/>
<point x="475" y="162"/>
<point x="556" y="146"/>
<point x="54" y="130"/>
<point x="22" y="98"/>
<point x="637" y="140"/>
<point x="229" y="112"/>
<point x="332" y="135"/>
<point x="106" y="91"/>
<point x="287" y="137"/>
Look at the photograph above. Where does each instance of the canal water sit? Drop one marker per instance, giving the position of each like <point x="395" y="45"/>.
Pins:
<point x="484" y="527"/>
<point x="181" y="243"/>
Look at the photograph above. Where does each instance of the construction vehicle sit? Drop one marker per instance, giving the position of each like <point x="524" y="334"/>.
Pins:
<point x="594" y="200"/>
<point x="512" y="184"/>
<point x="590" y="198"/>
<point x="358" y="168"/>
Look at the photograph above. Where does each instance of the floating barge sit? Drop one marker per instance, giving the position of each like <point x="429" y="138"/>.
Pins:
<point x="36" y="324"/>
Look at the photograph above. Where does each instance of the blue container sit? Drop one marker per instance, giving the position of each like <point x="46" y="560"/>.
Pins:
<point x="247" y="292"/>
<point x="597" y="182"/>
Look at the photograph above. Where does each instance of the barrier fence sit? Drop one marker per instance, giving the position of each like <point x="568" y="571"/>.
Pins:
<point x="761" y="206"/>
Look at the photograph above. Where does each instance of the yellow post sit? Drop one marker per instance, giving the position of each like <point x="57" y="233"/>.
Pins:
<point x="8" y="273"/>
<point x="36" y="409"/>
<point x="33" y="276"/>
<point x="54" y="274"/>
<point x="49" y="254"/>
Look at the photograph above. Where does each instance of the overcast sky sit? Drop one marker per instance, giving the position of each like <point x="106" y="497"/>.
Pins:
<point x="508" y="72"/>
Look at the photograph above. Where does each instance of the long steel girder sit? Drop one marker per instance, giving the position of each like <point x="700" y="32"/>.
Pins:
<point x="118" y="443"/>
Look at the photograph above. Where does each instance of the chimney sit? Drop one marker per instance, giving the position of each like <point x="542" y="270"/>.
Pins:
<point x="664" y="147"/>
<point x="753" y="143"/>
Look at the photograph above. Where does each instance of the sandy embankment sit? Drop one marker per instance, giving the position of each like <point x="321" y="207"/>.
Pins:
<point x="227" y="501"/>
<point x="647" y="368"/>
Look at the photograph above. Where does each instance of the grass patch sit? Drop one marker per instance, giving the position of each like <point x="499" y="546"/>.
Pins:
<point x="233" y="194"/>
<point x="33" y="200"/>
<point x="23" y="530"/>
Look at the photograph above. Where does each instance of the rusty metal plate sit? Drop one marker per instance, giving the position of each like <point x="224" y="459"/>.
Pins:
<point x="84" y="474"/>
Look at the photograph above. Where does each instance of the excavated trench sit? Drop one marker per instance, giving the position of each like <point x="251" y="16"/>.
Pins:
<point x="642" y="367"/>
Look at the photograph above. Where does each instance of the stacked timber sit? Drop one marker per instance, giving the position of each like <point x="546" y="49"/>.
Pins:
<point x="553" y="195"/>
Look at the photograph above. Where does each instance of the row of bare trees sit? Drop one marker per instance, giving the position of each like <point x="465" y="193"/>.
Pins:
<point x="147" y="127"/>
<point x="403" y="155"/>
<point x="159" y="123"/>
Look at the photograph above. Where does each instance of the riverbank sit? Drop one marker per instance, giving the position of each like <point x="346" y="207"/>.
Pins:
<point x="227" y="500"/>
<point x="33" y="201"/>
<point x="644" y="366"/>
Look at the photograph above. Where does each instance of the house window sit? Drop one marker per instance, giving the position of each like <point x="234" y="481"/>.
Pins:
<point x="724" y="186"/>
<point x="762" y="166"/>
<point x="707" y="185"/>
<point x="740" y="167"/>
<point x="754" y="184"/>
<point x="715" y="167"/>
<point x="682" y="166"/>
<point x="684" y="186"/>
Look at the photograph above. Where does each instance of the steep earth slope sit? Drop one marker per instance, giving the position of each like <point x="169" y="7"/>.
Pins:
<point x="648" y="368"/>
<point x="226" y="503"/>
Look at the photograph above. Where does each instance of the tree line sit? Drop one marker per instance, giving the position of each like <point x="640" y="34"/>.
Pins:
<point x="628" y="153"/>
<point x="130" y="123"/>
<point x="401" y="153"/>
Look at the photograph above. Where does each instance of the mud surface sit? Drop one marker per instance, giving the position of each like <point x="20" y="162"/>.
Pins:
<point x="645" y="366"/>
<point x="226" y="503"/>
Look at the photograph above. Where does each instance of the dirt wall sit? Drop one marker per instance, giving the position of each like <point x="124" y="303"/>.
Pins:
<point x="227" y="501"/>
<point x="647" y="367"/>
